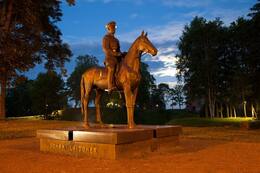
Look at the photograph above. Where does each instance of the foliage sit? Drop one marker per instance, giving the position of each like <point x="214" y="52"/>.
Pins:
<point x="29" y="36"/>
<point x="48" y="93"/>
<point x="176" y="95"/>
<point x="220" y="65"/>
<point x="158" y="96"/>
<point x="18" y="99"/>
<point x="200" y="47"/>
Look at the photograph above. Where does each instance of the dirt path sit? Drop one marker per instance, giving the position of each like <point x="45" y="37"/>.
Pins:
<point x="192" y="155"/>
<point x="208" y="149"/>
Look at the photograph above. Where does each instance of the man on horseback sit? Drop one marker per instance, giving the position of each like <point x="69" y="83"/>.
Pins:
<point x="113" y="55"/>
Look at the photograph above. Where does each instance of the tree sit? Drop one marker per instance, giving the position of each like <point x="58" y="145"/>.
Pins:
<point x="164" y="89"/>
<point x="200" y="49"/>
<point x="158" y="96"/>
<point x="82" y="64"/>
<point x="221" y="64"/>
<point x="177" y="95"/>
<point x="48" y="93"/>
<point x="18" y="99"/>
<point x="29" y="36"/>
<point x="145" y="87"/>
<point x="254" y="58"/>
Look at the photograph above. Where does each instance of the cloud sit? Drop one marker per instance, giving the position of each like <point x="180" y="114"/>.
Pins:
<point x="165" y="71"/>
<point x="166" y="56"/>
<point x="227" y="15"/>
<point x="168" y="3"/>
<point x="134" y="16"/>
<point x="166" y="33"/>
<point x="157" y="34"/>
<point x="164" y="38"/>
<point x="137" y="2"/>
<point x="185" y="3"/>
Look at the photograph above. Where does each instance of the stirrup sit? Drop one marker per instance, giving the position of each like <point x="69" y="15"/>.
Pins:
<point x="111" y="89"/>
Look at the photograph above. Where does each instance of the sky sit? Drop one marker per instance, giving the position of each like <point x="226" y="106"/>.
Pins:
<point x="83" y="27"/>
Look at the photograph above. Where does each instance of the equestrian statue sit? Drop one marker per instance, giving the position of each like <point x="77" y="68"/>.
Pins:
<point x="121" y="72"/>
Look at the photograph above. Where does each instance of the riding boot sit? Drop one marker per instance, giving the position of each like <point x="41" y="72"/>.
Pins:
<point x="111" y="86"/>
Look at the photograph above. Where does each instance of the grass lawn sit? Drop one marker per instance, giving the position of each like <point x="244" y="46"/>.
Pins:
<point x="160" y="117"/>
<point x="206" y="122"/>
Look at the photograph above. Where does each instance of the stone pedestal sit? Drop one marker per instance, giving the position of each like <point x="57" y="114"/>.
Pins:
<point x="110" y="141"/>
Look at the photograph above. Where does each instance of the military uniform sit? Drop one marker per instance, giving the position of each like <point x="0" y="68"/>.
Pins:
<point x="112" y="52"/>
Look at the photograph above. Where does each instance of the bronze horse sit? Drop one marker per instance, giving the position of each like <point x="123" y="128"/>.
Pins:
<point x="126" y="79"/>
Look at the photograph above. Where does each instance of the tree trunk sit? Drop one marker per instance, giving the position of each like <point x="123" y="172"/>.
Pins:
<point x="231" y="112"/>
<point x="5" y="24"/>
<point x="257" y="110"/>
<point x="227" y="107"/>
<point x="217" y="110"/>
<point x="254" y="115"/>
<point x="206" y="111"/>
<point x="7" y="16"/>
<point x="211" y="101"/>
<point x="2" y="97"/>
<point x="244" y="105"/>
<point x="235" y="112"/>
<point x="221" y="110"/>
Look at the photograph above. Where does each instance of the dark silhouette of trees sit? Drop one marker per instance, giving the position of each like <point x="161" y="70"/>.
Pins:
<point x="48" y="93"/>
<point x="29" y="36"/>
<point x="18" y="99"/>
<point x="220" y="64"/>
<point x="176" y="96"/>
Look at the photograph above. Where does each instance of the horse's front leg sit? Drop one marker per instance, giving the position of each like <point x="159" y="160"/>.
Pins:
<point x="129" y="98"/>
<point x="135" y="95"/>
<point x="85" y="107"/>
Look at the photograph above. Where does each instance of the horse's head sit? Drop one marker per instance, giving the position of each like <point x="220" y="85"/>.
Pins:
<point x="145" y="45"/>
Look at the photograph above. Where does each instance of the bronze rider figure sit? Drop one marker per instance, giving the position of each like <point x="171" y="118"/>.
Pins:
<point x="113" y="55"/>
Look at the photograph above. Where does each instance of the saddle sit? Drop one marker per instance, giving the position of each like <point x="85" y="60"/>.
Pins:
<point x="102" y="76"/>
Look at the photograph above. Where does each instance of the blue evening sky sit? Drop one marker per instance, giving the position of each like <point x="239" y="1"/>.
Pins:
<point x="83" y="26"/>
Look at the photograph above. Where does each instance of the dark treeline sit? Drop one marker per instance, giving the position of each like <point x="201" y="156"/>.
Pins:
<point x="41" y="96"/>
<point x="220" y="65"/>
<point x="29" y="35"/>
<point x="49" y="92"/>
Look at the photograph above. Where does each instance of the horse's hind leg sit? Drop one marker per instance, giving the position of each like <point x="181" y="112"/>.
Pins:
<point x="97" y="105"/>
<point x="85" y="105"/>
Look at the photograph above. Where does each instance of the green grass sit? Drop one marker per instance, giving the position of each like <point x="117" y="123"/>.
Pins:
<point x="159" y="117"/>
<point x="207" y="122"/>
<point x="119" y="116"/>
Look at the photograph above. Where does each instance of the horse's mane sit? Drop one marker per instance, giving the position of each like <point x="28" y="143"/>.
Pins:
<point x="133" y="44"/>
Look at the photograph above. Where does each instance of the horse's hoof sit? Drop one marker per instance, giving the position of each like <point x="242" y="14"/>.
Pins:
<point x="100" y="124"/>
<point x="86" y="126"/>
<point x="131" y="126"/>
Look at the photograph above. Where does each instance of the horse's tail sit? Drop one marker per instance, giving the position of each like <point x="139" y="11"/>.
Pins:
<point x="82" y="94"/>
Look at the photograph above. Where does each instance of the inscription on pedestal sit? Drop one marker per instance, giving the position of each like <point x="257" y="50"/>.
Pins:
<point x="73" y="148"/>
